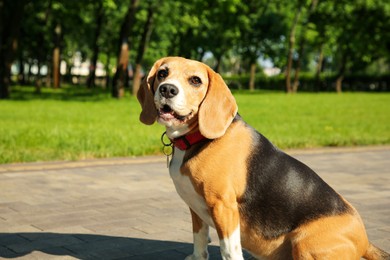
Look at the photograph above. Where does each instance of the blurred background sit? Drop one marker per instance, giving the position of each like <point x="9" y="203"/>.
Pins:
<point x="65" y="66"/>
<point x="301" y="45"/>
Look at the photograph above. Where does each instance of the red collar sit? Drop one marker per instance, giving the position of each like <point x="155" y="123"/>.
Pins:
<point x="185" y="142"/>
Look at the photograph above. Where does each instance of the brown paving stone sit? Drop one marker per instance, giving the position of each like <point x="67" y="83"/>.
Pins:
<point x="128" y="208"/>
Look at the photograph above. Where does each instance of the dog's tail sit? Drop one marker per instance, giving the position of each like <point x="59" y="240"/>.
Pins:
<point x="375" y="253"/>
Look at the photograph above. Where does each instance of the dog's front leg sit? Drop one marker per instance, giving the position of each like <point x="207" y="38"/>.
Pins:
<point x="227" y="223"/>
<point x="201" y="238"/>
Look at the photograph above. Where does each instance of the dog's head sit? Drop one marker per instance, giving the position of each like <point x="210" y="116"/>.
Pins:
<point x="183" y="94"/>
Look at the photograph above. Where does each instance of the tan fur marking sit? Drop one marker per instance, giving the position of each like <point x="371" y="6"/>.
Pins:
<point x="196" y="222"/>
<point x="219" y="182"/>
<point x="145" y="96"/>
<point x="335" y="237"/>
<point x="217" y="109"/>
<point x="254" y="242"/>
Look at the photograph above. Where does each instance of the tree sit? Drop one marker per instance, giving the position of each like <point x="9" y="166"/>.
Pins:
<point x="251" y="36"/>
<point x="99" y="15"/>
<point x="147" y="30"/>
<point x="181" y="33"/>
<point x="41" y="38"/>
<point x="125" y="41"/>
<point x="261" y="34"/>
<point x="11" y="14"/>
<point x="57" y="54"/>
<point x="351" y="44"/>
<point x="53" y="31"/>
<point x="291" y="44"/>
<point x="302" y="44"/>
<point x="292" y="35"/>
<point x="114" y="11"/>
<point x="222" y="18"/>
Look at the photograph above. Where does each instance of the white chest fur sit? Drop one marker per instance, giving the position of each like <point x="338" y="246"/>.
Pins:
<point x="186" y="190"/>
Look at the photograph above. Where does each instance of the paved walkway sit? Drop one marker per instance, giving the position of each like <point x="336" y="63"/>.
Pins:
<point x="128" y="208"/>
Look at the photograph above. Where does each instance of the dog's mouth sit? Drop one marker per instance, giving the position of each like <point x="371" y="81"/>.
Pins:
<point x="166" y="113"/>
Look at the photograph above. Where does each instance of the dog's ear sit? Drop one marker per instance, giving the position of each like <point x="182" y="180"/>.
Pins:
<point x="145" y="96"/>
<point x="218" y="108"/>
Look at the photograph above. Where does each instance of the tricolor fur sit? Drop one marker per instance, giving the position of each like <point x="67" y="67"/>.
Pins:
<point x="238" y="182"/>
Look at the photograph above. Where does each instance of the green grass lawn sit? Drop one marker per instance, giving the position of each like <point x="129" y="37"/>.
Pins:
<point x="71" y="124"/>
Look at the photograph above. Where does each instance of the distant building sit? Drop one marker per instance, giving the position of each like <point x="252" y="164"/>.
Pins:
<point x="272" y="71"/>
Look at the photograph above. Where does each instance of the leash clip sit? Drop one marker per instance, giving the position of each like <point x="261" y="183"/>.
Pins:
<point x="167" y="148"/>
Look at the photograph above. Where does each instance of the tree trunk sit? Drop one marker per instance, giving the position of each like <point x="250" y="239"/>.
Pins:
<point x="107" y="68"/>
<point x="319" y="68"/>
<point x="302" y="46"/>
<point x="252" y="77"/>
<point x="137" y="78"/>
<point x="121" y="73"/>
<point x="38" y="81"/>
<point x="217" y="67"/>
<point x="40" y="52"/>
<point x="29" y="72"/>
<point x="56" y="67"/>
<point x="9" y="36"/>
<point x="57" y="56"/>
<point x="142" y="48"/>
<point x="291" y="43"/>
<point x="99" y="22"/>
<point x="4" y="81"/>
<point x="339" y="83"/>
<point x="118" y="83"/>
<point x="48" y="78"/>
<point x="21" y="76"/>
<point x="340" y="74"/>
<point x="184" y="49"/>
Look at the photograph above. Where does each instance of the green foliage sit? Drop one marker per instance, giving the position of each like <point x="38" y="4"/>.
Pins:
<point x="74" y="123"/>
<point x="356" y="31"/>
<point x="263" y="27"/>
<point x="230" y="34"/>
<point x="309" y="83"/>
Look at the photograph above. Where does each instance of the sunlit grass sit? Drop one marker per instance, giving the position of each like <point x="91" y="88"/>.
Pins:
<point x="58" y="130"/>
<point x="73" y="125"/>
<point x="316" y="120"/>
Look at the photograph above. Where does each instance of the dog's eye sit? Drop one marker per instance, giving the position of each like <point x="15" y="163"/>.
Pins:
<point x="196" y="81"/>
<point x="162" y="74"/>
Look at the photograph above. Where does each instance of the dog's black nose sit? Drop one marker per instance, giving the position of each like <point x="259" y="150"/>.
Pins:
<point x="168" y="90"/>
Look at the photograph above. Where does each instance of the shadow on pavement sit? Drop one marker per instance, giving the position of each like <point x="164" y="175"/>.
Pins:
<point x="89" y="246"/>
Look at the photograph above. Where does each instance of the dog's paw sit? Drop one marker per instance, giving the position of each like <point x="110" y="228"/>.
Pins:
<point x="204" y="256"/>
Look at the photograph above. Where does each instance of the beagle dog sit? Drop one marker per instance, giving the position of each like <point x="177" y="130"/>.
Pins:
<point x="236" y="181"/>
